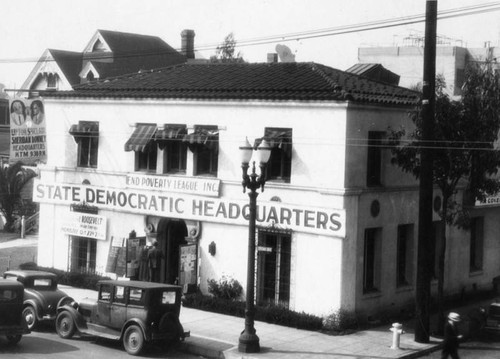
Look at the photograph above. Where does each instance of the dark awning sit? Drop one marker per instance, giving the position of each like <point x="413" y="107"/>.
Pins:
<point x="142" y="138"/>
<point x="84" y="129"/>
<point x="169" y="133"/>
<point x="203" y="137"/>
<point x="277" y="138"/>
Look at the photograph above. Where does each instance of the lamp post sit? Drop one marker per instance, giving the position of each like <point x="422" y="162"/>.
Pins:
<point x="249" y="341"/>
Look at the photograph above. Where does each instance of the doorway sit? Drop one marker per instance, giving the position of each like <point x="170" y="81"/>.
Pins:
<point x="171" y="234"/>
<point x="273" y="268"/>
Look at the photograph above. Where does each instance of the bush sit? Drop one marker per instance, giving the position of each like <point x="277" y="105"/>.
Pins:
<point x="274" y="314"/>
<point x="74" y="279"/>
<point x="340" y="320"/>
<point x="226" y="288"/>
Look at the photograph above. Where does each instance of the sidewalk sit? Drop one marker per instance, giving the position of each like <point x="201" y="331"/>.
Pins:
<point x="216" y="336"/>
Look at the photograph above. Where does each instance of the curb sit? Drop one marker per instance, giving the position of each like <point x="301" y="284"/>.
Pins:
<point x="209" y="348"/>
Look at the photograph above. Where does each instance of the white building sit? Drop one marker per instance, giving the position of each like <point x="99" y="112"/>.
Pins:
<point x="156" y="153"/>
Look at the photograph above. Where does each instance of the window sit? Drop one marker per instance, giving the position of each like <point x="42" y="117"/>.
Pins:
<point x="120" y="296"/>
<point x="105" y="292"/>
<point x="4" y="112"/>
<point x="136" y="296"/>
<point x="52" y="81"/>
<point x="146" y="161"/>
<point x="169" y="139"/>
<point x="404" y="268"/>
<point x="279" y="167"/>
<point x="438" y="231"/>
<point x="83" y="255"/>
<point x="372" y="260"/>
<point x="374" y="164"/>
<point x="146" y="150"/>
<point x="476" y="244"/>
<point x="204" y="143"/>
<point x="273" y="268"/>
<point x="86" y="135"/>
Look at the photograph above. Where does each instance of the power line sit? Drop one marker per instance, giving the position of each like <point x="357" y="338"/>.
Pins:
<point x="304" y="35"/>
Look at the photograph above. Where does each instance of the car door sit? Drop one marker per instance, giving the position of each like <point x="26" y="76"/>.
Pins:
<point x="103" y="312"/>
<point x="118" y="309"/>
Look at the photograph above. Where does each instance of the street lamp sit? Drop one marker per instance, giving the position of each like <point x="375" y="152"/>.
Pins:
<point x="249" y="341"/>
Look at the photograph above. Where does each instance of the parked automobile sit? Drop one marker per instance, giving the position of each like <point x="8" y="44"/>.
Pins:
<point x="135" y="312"/>
<point x="41" y="295"/>
<point x="12" y="322"/>
<point x="493" y="317"/>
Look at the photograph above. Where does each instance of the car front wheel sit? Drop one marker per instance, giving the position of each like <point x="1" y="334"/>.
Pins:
<point x="65" y="326"/>
<point x="133" y="340"/>
<point x="29" y="314"/>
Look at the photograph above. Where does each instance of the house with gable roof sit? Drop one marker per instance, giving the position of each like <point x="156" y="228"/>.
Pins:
<point x="154" y="156"/>
<point x="107" y="54"/>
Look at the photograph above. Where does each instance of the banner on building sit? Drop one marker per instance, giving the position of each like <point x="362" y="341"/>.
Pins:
<point x="318" y="220"/>
<point x="84" y="225"/>
<point x="27" y="131"/>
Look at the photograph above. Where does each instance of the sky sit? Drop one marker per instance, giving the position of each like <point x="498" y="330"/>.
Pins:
<point x="28" y="27"/>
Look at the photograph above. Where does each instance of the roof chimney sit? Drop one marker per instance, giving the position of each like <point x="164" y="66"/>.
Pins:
<point x="187" y="43"/>
<point x="272" y="57"/>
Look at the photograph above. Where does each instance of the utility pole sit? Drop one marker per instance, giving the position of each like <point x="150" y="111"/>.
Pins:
<point x="423" y="287"/>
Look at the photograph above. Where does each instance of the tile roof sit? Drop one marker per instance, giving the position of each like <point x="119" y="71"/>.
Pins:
<point x="244" y="81"/>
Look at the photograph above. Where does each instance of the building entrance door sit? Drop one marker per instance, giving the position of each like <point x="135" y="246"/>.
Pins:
<point x="273" y="268"/>
<point x="171" y="235"/>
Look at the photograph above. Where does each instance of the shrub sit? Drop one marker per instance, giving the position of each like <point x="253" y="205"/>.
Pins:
<point x="74" y="279"/>
<point x="226" y="288"/>
<point x="340" y="320"/>
<point x="274" y="314"/>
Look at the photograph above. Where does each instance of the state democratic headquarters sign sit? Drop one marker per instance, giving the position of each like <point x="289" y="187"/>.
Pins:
<point x="324" y="221"/>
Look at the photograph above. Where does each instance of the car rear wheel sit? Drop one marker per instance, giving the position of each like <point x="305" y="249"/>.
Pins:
<point x="29" y="314"/>
<point x="65" y="326"/>
<point x="133" y="340"/>
<point x="14" y="339"/>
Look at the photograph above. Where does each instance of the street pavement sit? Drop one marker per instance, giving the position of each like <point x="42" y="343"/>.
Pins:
<point x="216" y="336"/>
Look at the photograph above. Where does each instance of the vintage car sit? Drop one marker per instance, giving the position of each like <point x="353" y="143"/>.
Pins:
<point x="135" y="312"/>
<point x="41" y="295"/>
<point x="493" y="317"/>
<point x="12" y="323"/>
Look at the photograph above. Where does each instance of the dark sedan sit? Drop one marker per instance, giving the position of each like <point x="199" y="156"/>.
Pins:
<point x="41" y="295"/>
<point x="12" y="323"/>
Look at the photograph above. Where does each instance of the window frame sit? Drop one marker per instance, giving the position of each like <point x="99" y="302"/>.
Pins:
<point x="374" y="158"/>
<point x="146" y="161"/>
<point x="476" y="245"/>
<point x="279" y="166"/>
<point x="404" y="255"/>
<point x="372" y="260"/>
<point x="175" y="156"/>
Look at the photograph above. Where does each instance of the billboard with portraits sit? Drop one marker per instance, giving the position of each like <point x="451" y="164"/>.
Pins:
<point x="28" y="142"/>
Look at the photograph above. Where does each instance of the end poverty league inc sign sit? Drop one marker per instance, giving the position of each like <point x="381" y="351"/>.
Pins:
<point x="324" y="221"/>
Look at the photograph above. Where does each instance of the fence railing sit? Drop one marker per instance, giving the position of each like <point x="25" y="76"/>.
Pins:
<point x="29" y="224"/>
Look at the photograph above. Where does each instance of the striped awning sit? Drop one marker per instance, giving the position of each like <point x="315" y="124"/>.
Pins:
<point x="202" y="136"/>
<point x="169" y="133"/>
<point x="84" y="129"/>
<point x="141" y="139"/>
